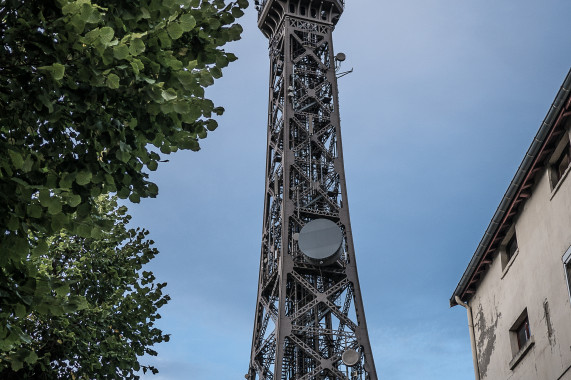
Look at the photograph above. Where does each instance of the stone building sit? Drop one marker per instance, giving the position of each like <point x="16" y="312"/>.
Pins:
<point x="517" y="285"/>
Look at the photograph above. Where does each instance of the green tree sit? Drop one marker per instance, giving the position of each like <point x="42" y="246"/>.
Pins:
<point x="118" y="304"/>
<point x="92" y="93"/>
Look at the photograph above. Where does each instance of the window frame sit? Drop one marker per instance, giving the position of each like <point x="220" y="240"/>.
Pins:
<point x="519" y="350"/>
<point x="510" y="244"/>
<point x="556" y="176"/>
<point x="506" y="260"/>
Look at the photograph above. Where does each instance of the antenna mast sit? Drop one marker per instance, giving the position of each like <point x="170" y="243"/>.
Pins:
<point x="309" y="320"/>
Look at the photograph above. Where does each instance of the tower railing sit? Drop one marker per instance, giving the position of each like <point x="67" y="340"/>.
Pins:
<point x="260" y="4"/>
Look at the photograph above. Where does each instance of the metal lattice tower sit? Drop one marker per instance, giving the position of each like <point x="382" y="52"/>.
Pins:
<point x="309" y="321"/>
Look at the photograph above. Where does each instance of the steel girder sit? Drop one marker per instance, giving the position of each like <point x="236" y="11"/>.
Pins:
<point x="306" y="316"/>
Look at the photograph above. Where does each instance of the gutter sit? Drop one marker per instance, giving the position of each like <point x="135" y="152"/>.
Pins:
<point x="515" y="184"/>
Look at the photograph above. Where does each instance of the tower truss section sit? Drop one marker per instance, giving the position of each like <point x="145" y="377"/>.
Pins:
<point x="309" y="319"/>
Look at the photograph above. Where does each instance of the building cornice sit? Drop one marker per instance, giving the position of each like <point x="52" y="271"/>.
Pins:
<point x="517" y="193"/>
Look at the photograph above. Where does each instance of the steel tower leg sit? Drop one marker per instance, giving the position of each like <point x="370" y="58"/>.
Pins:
<point x="307" y="315"/>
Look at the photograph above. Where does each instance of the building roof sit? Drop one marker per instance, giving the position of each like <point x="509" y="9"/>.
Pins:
<point x="518" y="191"/>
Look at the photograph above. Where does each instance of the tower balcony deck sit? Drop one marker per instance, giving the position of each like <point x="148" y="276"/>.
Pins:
<point x="271" y="12"/>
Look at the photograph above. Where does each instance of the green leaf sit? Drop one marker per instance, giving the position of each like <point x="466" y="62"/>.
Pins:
<point x="16" y="158"/>
<point x="145" y="13"/>
<point x="70" y="8"/>
<point x="185" y="77"/>
<point x="16" y="365"/>
<point x="83" y="230"/>
<point x="192" y="65"/>
<point x="41" y="248"/>
<point x="211" y="125"/>
<point x="35" y="211"/>
<point x="31" y="358"/>
<point x="54" y="207"/>
<point x="216" y="72"/>
<point x="206" y="79"/>
<point x="153" y="165"/>
<point x="181" y="107"/>
<point x="62" y="290"/>
<point x="175" y="30"/>
<point x="44" y="197"/>
<point x="20" y="310"/>
<point x="66" y="181"/>
<point x="83" y="177"/>
<point x="187" y="22"/>
<point x="153" y="189"/>
<point x="58" y="71"/>
<point x="123" y="156"/>
<point x="169" y="94"/>
<point x="135" y="198"/>
<point x="124" y="193"/>
<point x="174" y="63"/>
<point x="74" y="200"/>
<point x="96" y="232"/>
<point x="59" y="221"/>
<point x="237" y="12"/>
<point x="28" y="164"/>
<point x="137" y="46"/>
<point x="121" y="51"/>
<point x="112" y="81"/>
<point x="106" y="34"/>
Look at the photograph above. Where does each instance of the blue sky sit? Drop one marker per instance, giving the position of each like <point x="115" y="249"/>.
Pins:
<point x="444" y="100"/>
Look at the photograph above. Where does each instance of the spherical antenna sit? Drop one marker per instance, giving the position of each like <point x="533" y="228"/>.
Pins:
<point x="340" y="57"/>
<point x="350" y="357"/>
<point x="320" y="241"/>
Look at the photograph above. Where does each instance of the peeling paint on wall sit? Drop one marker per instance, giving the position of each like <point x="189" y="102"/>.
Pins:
<point x="486" y="338"/>
<point x="550" y="332"/>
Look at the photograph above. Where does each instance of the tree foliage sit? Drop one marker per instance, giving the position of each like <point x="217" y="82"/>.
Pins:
<point x="92" y="93"/>
<point x="117" y="300"/>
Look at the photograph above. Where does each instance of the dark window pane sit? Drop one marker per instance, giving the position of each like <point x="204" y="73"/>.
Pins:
<point x="511" y="247"/>
<point x="560" y="166"/>
<point x="523" y="333"/>
<point x="563" y="163"/>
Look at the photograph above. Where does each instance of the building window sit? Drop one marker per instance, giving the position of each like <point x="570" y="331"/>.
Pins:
<point x="560" y="163"/>
<point x="522" y="333"/>
<point x="511" y="247"/>
<point x="521" y="339"/>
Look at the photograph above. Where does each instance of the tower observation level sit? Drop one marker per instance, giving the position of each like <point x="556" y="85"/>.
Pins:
<point x="309" y="320"/>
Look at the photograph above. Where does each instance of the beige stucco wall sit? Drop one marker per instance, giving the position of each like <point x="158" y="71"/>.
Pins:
<point x="535" y="275"/>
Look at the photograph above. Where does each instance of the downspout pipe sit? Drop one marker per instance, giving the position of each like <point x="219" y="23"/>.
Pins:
<point x="472" y="336"/>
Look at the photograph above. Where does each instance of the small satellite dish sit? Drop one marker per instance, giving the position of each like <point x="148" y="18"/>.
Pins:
<point x="320" y="241"/>
<point x="350" y="357"/>
<point x="340" y="57"/>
